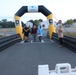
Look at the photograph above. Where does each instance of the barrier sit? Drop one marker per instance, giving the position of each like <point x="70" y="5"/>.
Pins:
<point x="40" y="8"/>
<point x="60" y="69"/>
<point x="8" y="41"/>
<point x="69" y="42"/>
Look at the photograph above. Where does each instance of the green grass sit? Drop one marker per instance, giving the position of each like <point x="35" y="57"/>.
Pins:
<point x="7" y="29"/>
<point x="72" y="34"/>
<point x="2" y="30"/>
<point x="1" y="36"/>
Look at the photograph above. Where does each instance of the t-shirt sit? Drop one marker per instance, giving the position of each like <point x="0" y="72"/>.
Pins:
<point x="40" y="31"/>
<point x="26" y="31"/>
<point x="33" y="30"/>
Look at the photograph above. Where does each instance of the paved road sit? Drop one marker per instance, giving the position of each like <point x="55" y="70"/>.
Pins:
<point x="24" y="58"/>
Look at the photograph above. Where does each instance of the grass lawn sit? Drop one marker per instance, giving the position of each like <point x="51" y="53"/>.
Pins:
<point x="72" y="34"/>
<point x="7" y="29"/>
<point x="1" y="36"/>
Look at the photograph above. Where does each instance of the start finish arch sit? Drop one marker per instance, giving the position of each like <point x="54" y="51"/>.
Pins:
<point x="26" y="9"/>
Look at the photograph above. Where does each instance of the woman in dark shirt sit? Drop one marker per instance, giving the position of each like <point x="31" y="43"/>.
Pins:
<point x="26" y="32"/>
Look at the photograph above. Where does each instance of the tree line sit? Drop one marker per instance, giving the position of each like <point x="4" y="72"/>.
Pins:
<point x="6" y="24"/>
<point x="9" y="24"/>
<point x="70" y="21"/>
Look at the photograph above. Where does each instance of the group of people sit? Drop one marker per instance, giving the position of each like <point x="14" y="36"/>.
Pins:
<point x="39" y="31"/>
<point x="34" y="31"/>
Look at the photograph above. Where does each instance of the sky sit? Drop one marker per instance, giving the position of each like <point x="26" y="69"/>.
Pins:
<point x="61" y="9"/>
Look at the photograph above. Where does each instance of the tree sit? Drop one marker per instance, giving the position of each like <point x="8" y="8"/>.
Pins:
<point x="74" y="20"/>
<point x="7" y="24"/>
<point x="31" y="21"/>
<point x="69" y="22"/>
<point x="4" y="20"/>
<point x="36" y="22"/>
<point x="40" y="20"/>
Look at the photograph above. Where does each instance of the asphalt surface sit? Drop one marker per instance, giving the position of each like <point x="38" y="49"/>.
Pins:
<point x="24" y="58"/>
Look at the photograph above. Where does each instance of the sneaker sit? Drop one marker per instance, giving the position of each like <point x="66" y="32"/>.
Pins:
<point x="26" y="41"/>
<point x="22" y="41"/>
<point x="60" y="46"/>
<point x="31" y="41"/>
<point x="42" y="41"/>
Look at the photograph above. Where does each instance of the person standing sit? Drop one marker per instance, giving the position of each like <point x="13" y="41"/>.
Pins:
<point x="40" y="33"/>
<point x="60" y="33"/>
<point x="26" y="32"/>
<point x="34" y="32"/>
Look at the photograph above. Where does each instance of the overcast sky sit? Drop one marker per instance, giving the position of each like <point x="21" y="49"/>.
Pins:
<point x="61" y="9"/>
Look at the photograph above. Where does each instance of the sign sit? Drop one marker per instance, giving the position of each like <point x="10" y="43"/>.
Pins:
<point x="32" y="8"/>
<point x="17" y="22"/>
<point x="50" y="21"/>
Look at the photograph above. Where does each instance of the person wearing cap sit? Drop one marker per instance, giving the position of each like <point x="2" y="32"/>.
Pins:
<point x="60" y="32"/>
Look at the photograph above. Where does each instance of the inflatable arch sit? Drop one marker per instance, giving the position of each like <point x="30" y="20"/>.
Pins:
<point x="25" y="9"/>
